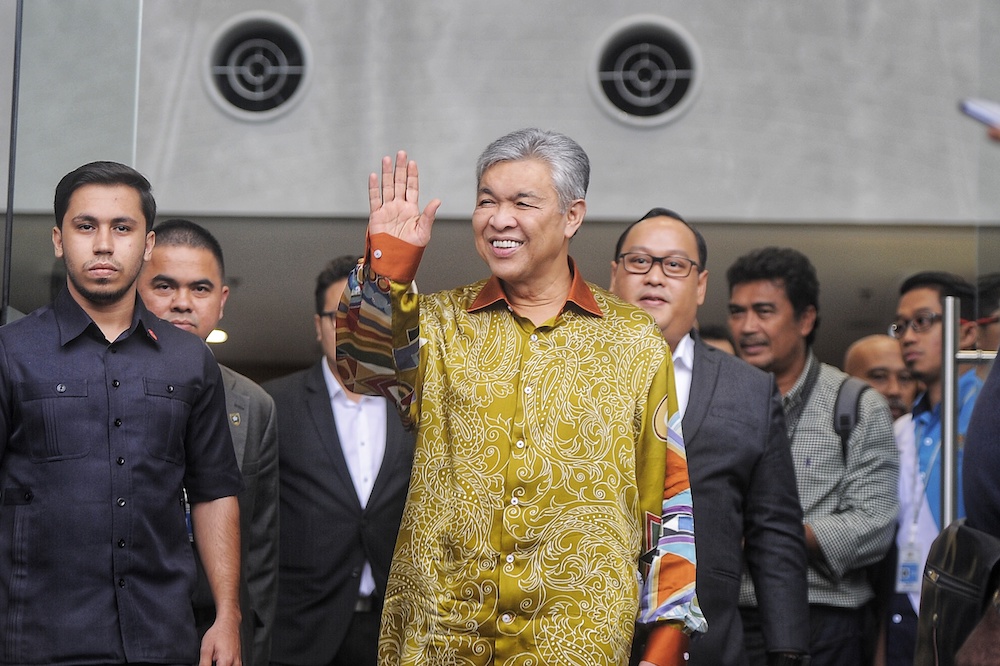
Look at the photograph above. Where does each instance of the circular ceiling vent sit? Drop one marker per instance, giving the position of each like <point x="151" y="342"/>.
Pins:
<point x="646" y="71"/>
<point x="258" y="66"/>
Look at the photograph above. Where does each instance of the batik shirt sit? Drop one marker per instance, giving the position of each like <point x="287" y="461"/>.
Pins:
<point x="538" y="475"/>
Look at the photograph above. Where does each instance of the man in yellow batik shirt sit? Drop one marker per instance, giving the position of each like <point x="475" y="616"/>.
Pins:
<point x="548" y="446"/>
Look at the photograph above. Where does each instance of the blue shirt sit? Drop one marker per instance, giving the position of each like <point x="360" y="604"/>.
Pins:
<point x="96" y="441"/>
<point x="927" y="436"/>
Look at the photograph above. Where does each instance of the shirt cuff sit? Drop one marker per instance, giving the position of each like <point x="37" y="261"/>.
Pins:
<point x="666" y="645"/>
<point x="393" y="258"/>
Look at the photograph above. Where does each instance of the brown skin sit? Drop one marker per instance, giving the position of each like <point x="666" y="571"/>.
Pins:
<point x="877" y="360"/>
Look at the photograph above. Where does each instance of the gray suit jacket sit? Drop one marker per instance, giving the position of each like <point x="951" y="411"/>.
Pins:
<point x="253" y="425"/>
<point x="326" y="537"/>
<point x="743" y="486"/>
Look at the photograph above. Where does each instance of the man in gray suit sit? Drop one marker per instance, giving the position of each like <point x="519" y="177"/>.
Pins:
<point x="184" y="283"/>
<point x="746" y="505"/>
<point x="345" y="468"/>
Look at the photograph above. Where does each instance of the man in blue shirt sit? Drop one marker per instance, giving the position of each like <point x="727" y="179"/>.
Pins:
<point x="919" y="330"/>
<point x="106" y="412"/>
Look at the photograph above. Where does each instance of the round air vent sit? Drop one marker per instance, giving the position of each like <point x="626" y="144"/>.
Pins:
<point x="646" y="71"/>
<point x="258" y="66"/>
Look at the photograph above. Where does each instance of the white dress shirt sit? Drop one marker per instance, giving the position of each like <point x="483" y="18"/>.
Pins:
<point x="361" y="428"/>
<point x="683" y="367"/>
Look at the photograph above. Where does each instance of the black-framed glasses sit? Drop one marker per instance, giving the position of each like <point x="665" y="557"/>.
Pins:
<point x="332" y="314"/>
<point x="640" y="263"/>
<point x="920" y="324"/>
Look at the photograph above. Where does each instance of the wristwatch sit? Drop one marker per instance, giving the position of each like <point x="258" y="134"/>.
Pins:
<point x="787" y="659"/>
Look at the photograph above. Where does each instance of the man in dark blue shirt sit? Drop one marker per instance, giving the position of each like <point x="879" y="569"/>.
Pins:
<point x="106" y="413"/>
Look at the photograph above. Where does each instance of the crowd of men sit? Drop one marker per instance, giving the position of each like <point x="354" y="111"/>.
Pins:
<point x="528" y="469"/>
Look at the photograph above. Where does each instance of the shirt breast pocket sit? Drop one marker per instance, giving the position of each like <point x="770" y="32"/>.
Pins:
<point x="52" y="412"/>
<point x="168" y="408"/>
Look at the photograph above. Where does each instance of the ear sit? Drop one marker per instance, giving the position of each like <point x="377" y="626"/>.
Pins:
<point x="614" y="273"/>
<point x="318" y="322"/>
<point x="150" y="242"/>
<point x="968" y="332"/>
<point x="807" y="321"/>
<point x="702" y="286"/>
<point x="222" y="302"/>
<point x="574" y="217"/>
<point x="57" y="245"/>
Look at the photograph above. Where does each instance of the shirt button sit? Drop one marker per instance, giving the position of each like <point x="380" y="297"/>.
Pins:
<point x="527" y="389"/>
<point x="121" y="501"/>
<point x="534" y="337"/>
<point x="60" y="388"/>
<point x="121" y="543"/>
<point x="897" y="618"/>
<point x="118" y="423"/>
<point x="377" y="254"/>
<point x="519" y="443"/>
<point x="28" y="495"/>
<point x="121" y="582"/>
<point x="170" y="388"/>
<point x="116" y="383"/>
<point x="121" y="461"/>
<point x="513" y="500"/>
<point x="510" y="559"/>
<point x="507" y="617"/>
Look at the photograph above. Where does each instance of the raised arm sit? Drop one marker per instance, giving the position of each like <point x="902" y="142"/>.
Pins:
<point x="378" y="319"/>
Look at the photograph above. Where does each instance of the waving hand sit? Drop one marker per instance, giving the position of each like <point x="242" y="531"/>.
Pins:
<point x="392" y="201"/>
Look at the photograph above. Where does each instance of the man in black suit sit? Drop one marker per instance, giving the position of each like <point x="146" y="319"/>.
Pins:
<point x="344" y="466"/>
<point x="746" y="506"/>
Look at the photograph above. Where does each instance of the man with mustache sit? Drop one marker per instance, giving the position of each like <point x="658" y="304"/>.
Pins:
<point x="847" y="489"/>
<point x="919" y="330"/>
<point x="877" y="360"/>
<point x="106" y="414"/>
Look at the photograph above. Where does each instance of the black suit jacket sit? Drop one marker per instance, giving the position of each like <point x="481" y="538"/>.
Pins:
<point x="743" y="486"/>
<point x="326" y="536"/>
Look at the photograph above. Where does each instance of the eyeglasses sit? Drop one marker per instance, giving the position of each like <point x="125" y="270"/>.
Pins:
<point x="641" y="263"/>
<point x="332" y="314"/>
<point x="920" y="324"/>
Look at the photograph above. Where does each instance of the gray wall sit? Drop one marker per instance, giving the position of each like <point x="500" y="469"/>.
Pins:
<point x="836" y="110"/>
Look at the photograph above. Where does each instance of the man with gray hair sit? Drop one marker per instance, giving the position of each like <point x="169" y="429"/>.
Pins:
<point x="548" y="451"/>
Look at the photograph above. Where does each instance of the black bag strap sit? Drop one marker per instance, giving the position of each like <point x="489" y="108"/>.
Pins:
<point x="845" y="410"/>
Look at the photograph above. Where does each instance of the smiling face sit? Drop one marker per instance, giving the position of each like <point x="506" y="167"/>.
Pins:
<point x="520" y="232"/>
<point x="183" y="285"/>
<point x="673" y="302"/>
<point x="103" y="242"/>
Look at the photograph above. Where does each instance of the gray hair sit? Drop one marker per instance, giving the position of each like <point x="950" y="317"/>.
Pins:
<point x="569" y="165"/>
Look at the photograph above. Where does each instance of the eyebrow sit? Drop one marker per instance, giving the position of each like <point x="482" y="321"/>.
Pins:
<point x="160" y="277"/>
<point x="519" y="195"/>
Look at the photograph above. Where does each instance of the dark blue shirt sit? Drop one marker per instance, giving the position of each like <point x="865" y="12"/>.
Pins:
<point x="981" y="483"/>
<point x="96" y="442"/>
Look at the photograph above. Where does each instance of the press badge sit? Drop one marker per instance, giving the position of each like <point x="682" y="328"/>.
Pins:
<point x="909" y="570"/>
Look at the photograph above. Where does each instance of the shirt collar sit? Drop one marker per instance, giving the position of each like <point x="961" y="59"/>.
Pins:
<point x="73" y="321"/>
<point x="579" y="294"/>
<point x="683" y="356"/>
<point x="794" y="396"/>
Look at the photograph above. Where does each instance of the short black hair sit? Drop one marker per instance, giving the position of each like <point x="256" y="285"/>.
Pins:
<point x="104" y="173"/>
<point x="338" y="269"/>
<point x="186" y="233"/>
<point x="666" y="212"/>
<point x="785" y="266"/>
<point x="987" y="294"/>
<point x="945" y="284"/>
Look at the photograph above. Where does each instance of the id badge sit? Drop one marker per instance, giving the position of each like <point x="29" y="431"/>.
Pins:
<point x="909" y="570"/>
